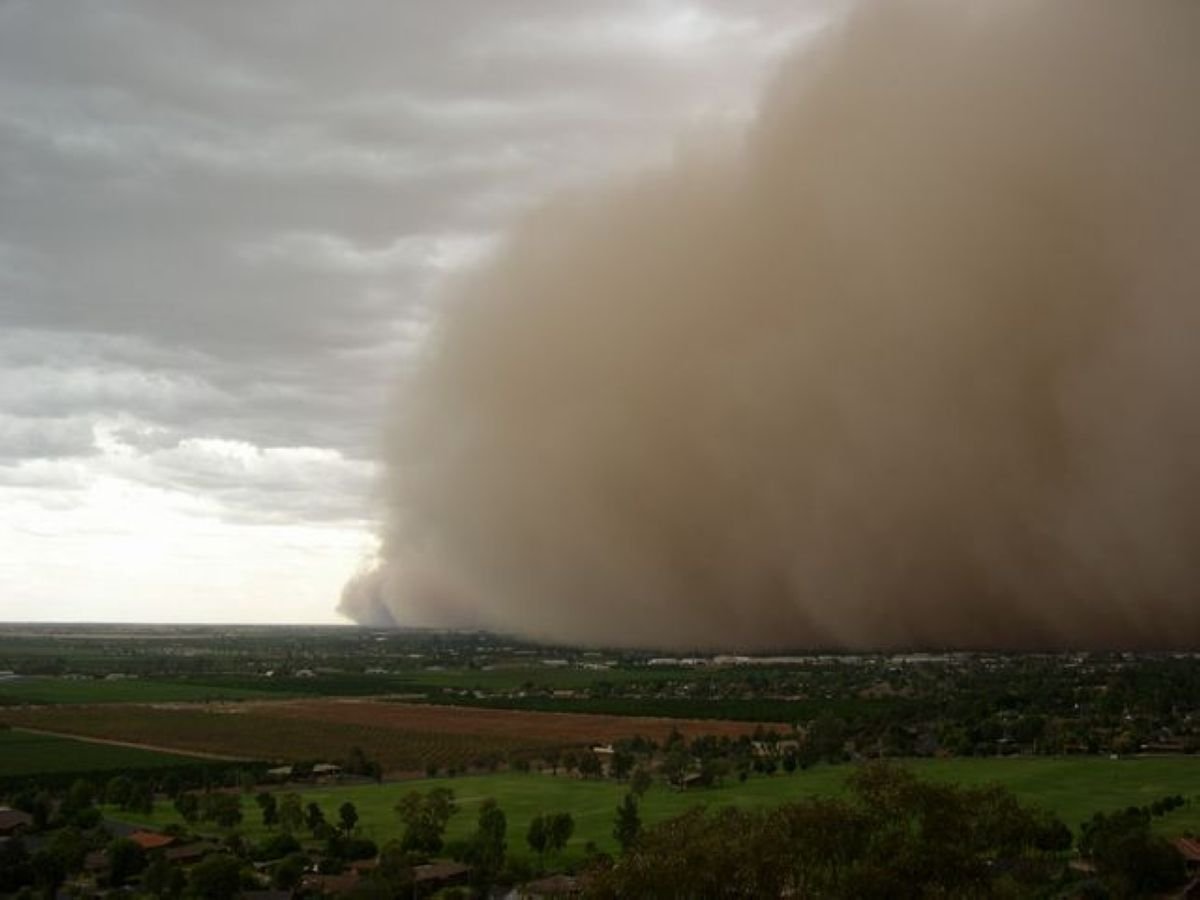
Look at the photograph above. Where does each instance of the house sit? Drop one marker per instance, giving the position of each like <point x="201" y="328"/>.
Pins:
<point x="329" y="884"/>
<point x="440" y="873"/>
<point x="151" y="840"/>
<point x="13" y="821"/>
<point x="186" y="854"/>
<point x="552" y="886"/>
<point x="1189" y="849"/>
<point x="770" y="749"/>
<point x="1164" y="745"/>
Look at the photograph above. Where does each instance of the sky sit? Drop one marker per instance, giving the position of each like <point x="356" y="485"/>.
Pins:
<point x="224" y="229"/>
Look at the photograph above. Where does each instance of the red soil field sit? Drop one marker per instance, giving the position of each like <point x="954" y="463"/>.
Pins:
<point x="403" y="737"/>
<point x="564" y="728"/>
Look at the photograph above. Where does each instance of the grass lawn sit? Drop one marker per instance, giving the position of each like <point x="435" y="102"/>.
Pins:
<point x="1073" y="788"/>
<point x="24" y="753"/>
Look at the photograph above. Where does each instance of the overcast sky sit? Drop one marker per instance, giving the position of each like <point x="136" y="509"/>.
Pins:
<point x="222" y="227"/>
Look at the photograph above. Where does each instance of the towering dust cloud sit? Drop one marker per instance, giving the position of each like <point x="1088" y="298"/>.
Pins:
<point x="917" y="364"/>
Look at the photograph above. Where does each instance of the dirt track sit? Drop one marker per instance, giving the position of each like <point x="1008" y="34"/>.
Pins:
<point x="174" y="751"/>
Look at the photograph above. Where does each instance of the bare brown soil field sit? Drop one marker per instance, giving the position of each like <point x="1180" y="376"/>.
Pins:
<point x="403" y="737"/>
<point x="558" y="728"/>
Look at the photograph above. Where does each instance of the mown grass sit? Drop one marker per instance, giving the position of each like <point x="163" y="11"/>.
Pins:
<point x="1073" y="788"/>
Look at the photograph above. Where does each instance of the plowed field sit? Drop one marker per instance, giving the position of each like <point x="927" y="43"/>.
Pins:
<point x="560" y="728"/>
<point x="403" y="737"/>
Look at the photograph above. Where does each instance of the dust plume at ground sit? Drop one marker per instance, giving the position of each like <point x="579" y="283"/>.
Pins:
<point x="915" y="364"/>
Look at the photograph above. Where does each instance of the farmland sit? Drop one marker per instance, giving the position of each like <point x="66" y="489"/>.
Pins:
<point x="1072" y="788"/>
<point x="403" y="737"/>
<point x="487" y="716"/>
<point x="561" y="728"/>
<point x="26" y="753"/>
<point x="45" y="690"/>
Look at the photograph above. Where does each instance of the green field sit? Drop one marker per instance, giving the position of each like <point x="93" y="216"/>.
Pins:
<point x="448" y="686"/>
<point x="25" y="753"/>
<point x="1073" y="788"/>
<point x="44" y="690"/>
<point x="50" y="690"/>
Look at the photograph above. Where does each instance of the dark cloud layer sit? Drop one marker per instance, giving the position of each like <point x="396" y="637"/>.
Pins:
<point x="221" y="222"/>
<point x="916" y="365"/>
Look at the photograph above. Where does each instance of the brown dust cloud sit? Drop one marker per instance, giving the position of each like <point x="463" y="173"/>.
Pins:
<point x="915" y="363"/>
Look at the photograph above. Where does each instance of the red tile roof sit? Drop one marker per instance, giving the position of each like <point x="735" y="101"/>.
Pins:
<point x="1189" y="847"/>
<point x="151" y="840"/>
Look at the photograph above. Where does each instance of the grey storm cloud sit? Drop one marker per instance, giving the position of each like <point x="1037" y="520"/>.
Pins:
<point x="226" y="222"/>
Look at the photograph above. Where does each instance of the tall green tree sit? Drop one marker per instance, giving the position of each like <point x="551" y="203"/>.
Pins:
<point x="314" y="818"/>
<point x="269" y="806"/>
<point x="217" y="877"/>
<point x="125" y="859"/>
<point x="538" y="837"/>
<point x="348" y="816"/>
<point x="488" y="845"/>
<point x="425" y="817"/>
<point x="629" y="822"/>
<point x="291" y="813"/>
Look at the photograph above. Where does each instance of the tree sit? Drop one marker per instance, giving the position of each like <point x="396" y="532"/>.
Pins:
<point x="223" y="809"/>
<point x="629" y="822"/>
<point x="172" y="785"/>
<point x="891" y="836"/>
<point x="348" y="816"/>
<point x="641" y="782"/>
<point x="277" y="846"/>
<point x="217" y="877"/>
<point x="70" y="845"/>
<point x="291" y="813"/>
<point x="357" y="763"/>
<point x="425" y="817"/>
<point x="188" y="806"/>
<point x="538" y="837"/>
<point x="486" y="850"/>
<point x="125" y="859"/>
<point x="1130" y="858"/>
<point x="314" y="818"/>
<point x="395" y="864"/>
<point x="559" y="828"/>
<point x="117" y="791"/>
<point x="289" y="872"/>
<point x="590" y="765"/>
<point x="713" y="770"/>
<point x="161" y="879"/>
<point x="270" y="808"/>
<point x="141" y="798"/>
<point x="79" y="799"/>
<point x="48" y="872"/>
<point x="675" y="766"/>
<point x="570" y="761"/>
<point x="621" y="764"/>
<point x="826" y="738"/>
